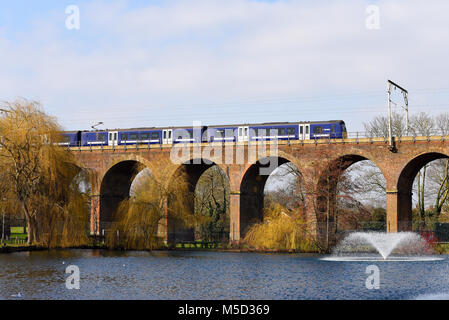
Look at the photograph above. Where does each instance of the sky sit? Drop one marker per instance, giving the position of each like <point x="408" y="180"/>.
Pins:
<point x="135" y="63"/>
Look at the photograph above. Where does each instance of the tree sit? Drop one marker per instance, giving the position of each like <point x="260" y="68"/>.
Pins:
<point x="281" y="229"/>
<point x="145" y="212"/>
<point x="378" y="127"/>
<point x="442" y="123"/>
<point x="40" y="175"/>
<point x="421" y="124"/>
<point x="211" y="201"/>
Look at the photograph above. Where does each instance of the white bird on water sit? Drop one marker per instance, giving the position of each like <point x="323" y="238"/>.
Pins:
<point x="19" y="295"/>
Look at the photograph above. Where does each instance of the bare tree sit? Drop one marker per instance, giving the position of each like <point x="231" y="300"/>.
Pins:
<point x="442" y="123"/>
<point x="212" y="201"/>
<point x="378" y="127"/>
<point x="421" y="124"/>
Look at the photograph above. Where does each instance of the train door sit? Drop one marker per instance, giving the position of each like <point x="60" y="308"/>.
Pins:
<point x="307" y="131"/>
<point x="113" y="138"/>
<point x="167" y="136"/>
<point x="304" y="131"/>
<point x="243" y="134"/>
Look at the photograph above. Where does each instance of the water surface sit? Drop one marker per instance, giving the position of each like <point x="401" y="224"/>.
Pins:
<point x="196" y="275"/>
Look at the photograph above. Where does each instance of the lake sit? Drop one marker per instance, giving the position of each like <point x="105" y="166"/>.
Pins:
<point x="195" y="275"/>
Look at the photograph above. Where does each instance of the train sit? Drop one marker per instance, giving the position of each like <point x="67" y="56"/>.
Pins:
<point x="333" y="129"/>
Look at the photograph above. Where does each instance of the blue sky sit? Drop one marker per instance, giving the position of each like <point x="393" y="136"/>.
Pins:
<point x="158" y="63"/>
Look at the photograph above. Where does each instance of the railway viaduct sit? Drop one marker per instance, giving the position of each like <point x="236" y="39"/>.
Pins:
<point x="247" y="167"/>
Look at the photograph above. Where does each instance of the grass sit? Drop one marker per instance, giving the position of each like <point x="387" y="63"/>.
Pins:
<point x="442" y="248"/>
<point x="17" y="230"/>
<point x="17" y="237"/>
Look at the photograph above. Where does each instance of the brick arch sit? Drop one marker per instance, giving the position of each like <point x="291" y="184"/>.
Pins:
<point x="405" y="184"/>
<point x="114" y="187"/>
<point x="123" y="158"/>
<point x="287" y="157"/>
<point x="328" y="178"/>
<point x="252" y="185"/>
<point x="192" y="170"/>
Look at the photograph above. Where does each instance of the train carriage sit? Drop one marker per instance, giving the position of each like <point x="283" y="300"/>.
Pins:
<point x="70" y="139"/>
<point x="94" y="139"/>
<point x="131" y="137"/>
<point x="335" y="129"/>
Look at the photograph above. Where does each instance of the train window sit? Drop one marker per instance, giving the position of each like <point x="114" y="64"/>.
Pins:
<point x="318" y="129"/>
<point x="219" y="133"/>
<point x="333" y="129"/>
<point x="165" y="134"/>
<point x="101" y="137"/>
<point x="124" y="136"/>
<point x="301" y="129"/>
<point x="307" y="129"/>
<point x="246" y="132"/>
<point x="291" y="131"/>
<point x="241" y="132"/>
<point x="190" y="133"/>
<point x="169" y="134"/>
<point x="256" y="132"/>
<point x="133" y="136"/>
<point x="281" y="131"/>
<point x="155" y="135"/>
<point x="144" y="136"/>
<point x="66" y="138"/>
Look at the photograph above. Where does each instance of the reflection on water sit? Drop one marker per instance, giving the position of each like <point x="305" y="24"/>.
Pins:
<point x="211" y="275"/>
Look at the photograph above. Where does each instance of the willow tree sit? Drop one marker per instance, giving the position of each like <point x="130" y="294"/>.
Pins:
<point x="282" y="229"/>
<point x="142" y="217"/>
<point x="40" y="175"/>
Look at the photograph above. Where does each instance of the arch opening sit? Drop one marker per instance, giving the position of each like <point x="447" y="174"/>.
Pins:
<point x="253" y="193"/>
<point x="189" y="172"/>
<point x="212" y="205"/>
<point x="115" y="187"/>
<point x="350" y="196"/>
<point x="424" y="178"/>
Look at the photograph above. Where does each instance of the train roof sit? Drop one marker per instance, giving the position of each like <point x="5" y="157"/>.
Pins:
<point x="213" y="126"/>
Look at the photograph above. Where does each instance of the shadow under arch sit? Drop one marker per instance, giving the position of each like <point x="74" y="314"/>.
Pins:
<point x="252" y="189"/>
<point x="115" y="187"/>
<point x="325" y="194"/>
<point x="191" y="171"/>
<point x="405" y="185"/>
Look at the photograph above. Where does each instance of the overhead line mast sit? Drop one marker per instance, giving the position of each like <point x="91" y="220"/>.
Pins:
<point x="391" y="85"/>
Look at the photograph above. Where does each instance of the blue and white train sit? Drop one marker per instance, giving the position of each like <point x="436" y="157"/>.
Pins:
<point x="334" y="129"/>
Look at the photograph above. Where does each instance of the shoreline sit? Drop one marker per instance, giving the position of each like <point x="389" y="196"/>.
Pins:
<point x="6" y="249"/>
<point x="14" y="249"/>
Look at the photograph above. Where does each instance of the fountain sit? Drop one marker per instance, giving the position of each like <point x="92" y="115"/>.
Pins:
<point x="401" y="246"/>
